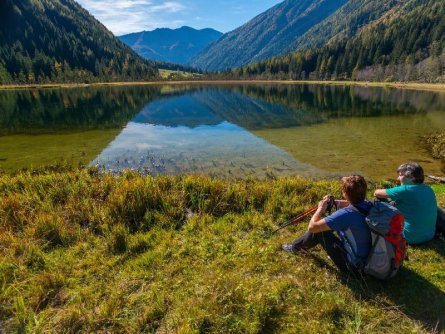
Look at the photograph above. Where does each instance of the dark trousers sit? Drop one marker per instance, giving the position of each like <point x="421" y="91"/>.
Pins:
<point x="440" y="224"/>
<point x="331" y="244"/>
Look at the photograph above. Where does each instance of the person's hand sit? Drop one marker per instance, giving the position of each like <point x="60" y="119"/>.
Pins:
<point x="323" y="204"/>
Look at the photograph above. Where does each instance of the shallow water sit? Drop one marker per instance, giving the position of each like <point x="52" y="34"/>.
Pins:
<point x="233" y="131"/>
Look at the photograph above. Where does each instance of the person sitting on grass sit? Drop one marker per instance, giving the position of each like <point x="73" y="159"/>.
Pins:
<point x="349" y="246"/>
<point x="416" y="201"/>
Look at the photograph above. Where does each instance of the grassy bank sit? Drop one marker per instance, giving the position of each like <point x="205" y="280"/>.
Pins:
<point x="82" y="252"/>
<point x="408" y="85"/>
<point x="436" y="144"/>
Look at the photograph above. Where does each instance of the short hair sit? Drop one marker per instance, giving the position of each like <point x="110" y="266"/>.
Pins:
<point x="355" y="187"/>
<point x="412" y="172"/>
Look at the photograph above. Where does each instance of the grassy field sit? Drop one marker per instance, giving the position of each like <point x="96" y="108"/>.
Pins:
<point x="178" y="75"/>
<point x="82" y="252"/>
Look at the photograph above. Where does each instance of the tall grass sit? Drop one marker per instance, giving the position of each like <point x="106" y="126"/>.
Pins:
<point x="83" y="252"/>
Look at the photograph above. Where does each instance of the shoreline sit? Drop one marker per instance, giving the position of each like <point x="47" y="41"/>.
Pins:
<point x="411" y="85"/>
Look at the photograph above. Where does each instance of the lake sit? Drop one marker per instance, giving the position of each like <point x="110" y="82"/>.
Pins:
<point x="224" y="130"/>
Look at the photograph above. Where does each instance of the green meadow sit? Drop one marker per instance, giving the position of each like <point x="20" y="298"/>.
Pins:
<point x="86" y="252"/>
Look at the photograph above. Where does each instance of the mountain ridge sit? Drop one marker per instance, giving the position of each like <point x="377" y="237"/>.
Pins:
<point x="406" y="42"/>
<point x="266" y="35"/>
<point x="171" y="45"/>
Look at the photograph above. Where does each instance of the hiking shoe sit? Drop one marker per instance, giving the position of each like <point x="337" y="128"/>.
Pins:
<point x="288" y="248"/>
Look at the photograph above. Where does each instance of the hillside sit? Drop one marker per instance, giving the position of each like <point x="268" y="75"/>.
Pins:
<point x="344" y="23"/>
<point x="269" y="34"/>
<point x="407" y="43"/>
<point x="58" y="41"/>
<point x="82" y="252"/>
<point x="170" y="45"/>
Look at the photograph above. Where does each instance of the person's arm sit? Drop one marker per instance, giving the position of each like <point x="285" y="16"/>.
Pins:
<point x="381" y="193"/>
<point x="342" y="203"/>
<point x="317" y="223"/>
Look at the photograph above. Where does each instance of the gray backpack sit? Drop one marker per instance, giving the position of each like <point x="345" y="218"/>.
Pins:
<point x="388" y="250"/>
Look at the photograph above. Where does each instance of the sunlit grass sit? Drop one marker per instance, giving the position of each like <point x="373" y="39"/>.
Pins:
<point x="178" y="75"/>
<point x="83" y="252"/>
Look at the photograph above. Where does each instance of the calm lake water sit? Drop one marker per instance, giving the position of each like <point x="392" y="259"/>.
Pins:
<point x="237" y="131"/>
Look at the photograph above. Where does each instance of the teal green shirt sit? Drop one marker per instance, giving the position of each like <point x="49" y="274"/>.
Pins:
<point x="418" y="205"/>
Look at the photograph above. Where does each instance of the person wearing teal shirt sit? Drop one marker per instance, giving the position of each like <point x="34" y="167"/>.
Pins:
<point x="416" y="201"/>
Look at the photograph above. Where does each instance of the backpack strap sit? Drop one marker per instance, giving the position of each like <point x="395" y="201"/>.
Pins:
<point x="359" y="264"/>
<point x="359" y="209"/>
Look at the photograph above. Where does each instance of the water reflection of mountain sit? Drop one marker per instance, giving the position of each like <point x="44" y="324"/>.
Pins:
<point x="80" y="109"/>
<point x="253" y="113"/>
<point x="211" y="106"/>
<point x="62" y="116"/>
<point x="252" y="107"/>
<point x="256" y="107"/>
<point x="175" y="111"/>
<point x="333" y="101"/>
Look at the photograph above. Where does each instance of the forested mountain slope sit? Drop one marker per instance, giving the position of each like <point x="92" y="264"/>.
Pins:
<point x="59" y="41"/>
<point x="407" y="43"/>
<point x="269" y="34"/>
<point x="344" y="23"/>
<point x="171" y="45"/>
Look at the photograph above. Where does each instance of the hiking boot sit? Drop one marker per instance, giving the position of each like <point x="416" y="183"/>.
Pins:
<point x="288" y="248"/>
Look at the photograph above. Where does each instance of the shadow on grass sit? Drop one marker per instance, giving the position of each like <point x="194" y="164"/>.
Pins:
<point x="414" y="295"/>
<point x="408" y="291"/>
<point x="436" y="245"/>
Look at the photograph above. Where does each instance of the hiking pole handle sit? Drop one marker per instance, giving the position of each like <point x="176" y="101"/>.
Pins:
<point x="331" y="204"/>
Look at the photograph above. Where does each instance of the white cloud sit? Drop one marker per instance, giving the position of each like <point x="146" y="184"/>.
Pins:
<point x="125" y="16"/>
<point x="168" y="6"/>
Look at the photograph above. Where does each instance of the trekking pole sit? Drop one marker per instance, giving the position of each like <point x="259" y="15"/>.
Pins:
<point x="296" y="219"/>
<point x="436" y="178"/>
<point x="303" y="215"/>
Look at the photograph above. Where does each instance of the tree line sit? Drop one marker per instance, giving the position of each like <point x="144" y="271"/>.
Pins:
<point x="408" y="47"/>
<point x="58" y="41"/>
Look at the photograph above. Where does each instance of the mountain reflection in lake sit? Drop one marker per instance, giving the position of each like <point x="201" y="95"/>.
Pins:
<point x="221" y="150"/>
<point x="190" y="133"/>
<point x="224" y="130"/>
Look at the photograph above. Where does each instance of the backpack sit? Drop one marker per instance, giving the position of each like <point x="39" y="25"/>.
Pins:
<point x="388" y="250"/>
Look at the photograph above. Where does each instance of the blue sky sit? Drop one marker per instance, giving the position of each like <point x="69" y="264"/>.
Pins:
<point x="125" y="16"/>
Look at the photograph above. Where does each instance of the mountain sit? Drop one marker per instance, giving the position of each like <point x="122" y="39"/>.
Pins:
<point x="171" y="45"/>
<point x="344" y="23"/>
<point x="59" y="41"/>
<point x="404" y="42"/>
<point x="269" y="34"/>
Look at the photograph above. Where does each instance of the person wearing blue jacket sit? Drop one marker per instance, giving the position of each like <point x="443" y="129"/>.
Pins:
<point x="344" y="234"/>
